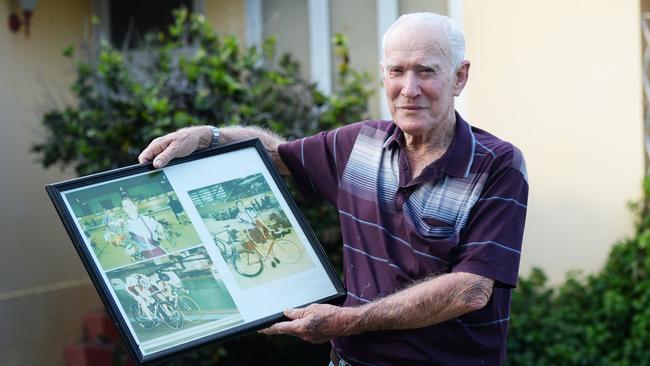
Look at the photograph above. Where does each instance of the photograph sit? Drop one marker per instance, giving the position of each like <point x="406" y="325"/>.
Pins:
<point x="132" y="220"/>
<point x="251" y="230"/>
<point x="175" y="298"/>
<point x="181" y="260"/>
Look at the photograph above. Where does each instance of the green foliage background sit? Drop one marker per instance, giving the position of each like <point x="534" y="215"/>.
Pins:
<point x="599" y="319"/>
<point x="187" y="76"/>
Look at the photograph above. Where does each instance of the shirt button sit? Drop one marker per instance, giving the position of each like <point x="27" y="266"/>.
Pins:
<point x="404" y="167"/>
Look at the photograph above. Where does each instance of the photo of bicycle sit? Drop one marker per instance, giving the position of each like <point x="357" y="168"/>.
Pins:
<point x="174" y="297"/>
<point x="132" y="220"/>
<point x="251" y="230"/>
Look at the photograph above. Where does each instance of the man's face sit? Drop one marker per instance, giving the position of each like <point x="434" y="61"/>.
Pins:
<point x="419" y="80"/>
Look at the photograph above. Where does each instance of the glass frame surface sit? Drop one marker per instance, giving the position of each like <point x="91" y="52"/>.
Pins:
<point x="218" y="224"/>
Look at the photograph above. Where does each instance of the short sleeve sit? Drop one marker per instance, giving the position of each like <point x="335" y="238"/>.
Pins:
<point x="490" y="244"/>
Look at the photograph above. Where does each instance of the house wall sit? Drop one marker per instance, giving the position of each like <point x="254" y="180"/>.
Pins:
<point x="44" y="290"/>
<point x="363" y="43"/>
<point x="562" y="81"/>
<point x="287" y="21"/>
<point x="226" y="17"/>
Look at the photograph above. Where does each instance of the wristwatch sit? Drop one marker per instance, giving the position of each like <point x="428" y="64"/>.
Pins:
<point x="215" y="137"/>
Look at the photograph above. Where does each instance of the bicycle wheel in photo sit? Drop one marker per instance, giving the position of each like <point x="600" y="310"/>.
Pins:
<point x="248" y="263"/>
<point x="172" y="317"/>
<point x="140" y="317"/>
<point x="286" y="251"/>
<point x="224" y="248"/>
<point x="190" y="309"/>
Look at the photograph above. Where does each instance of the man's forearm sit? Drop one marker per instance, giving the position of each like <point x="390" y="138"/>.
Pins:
<point x="270" y="140"/>
<point x="426" y="303"/>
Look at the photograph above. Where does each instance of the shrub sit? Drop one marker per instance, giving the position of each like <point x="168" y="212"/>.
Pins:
<point x="599" y="319"/>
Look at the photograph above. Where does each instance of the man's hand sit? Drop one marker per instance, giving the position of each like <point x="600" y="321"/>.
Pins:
<point x="425" y="303"/>
<point x="175" y="145"/>
<point x="317" y="323"/>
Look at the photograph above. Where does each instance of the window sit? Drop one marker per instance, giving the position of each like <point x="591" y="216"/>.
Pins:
<point x="134" y="18"/>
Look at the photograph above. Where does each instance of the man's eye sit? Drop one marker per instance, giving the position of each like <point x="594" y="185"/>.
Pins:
<point x="396" y="72"/>
<point x="428" y="71"/>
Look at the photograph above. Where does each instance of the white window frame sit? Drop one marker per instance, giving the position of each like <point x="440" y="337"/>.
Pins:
<point x="455" y="10"/>
<point x="387" y="13"/>
<point x="320" y="46"/>
<point x="253" y="19"/>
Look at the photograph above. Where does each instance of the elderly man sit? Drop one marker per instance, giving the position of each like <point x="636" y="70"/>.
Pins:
<point x="432" y="212"/>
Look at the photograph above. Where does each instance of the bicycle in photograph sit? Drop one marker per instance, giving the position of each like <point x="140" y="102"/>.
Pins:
<point x="168" y="233"/>
<point x="225" y="246"/>
<point x="135" y="255"/>
<point x="190" y="310"/>
<point x="161" y="311"/>
<point x="250" y="260"/>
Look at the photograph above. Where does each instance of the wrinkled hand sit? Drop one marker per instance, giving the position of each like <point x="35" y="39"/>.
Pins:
<point x="175" y="145"/>
<point x="317" y="323"/>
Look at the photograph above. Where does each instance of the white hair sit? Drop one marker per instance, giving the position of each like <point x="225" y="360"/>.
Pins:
<point x="432" y="22"/>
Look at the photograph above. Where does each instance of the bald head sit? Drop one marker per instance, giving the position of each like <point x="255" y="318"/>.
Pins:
<point x="438" y="30"/>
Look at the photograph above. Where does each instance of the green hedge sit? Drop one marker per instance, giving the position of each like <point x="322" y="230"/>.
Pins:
<point x="599" y="319"/>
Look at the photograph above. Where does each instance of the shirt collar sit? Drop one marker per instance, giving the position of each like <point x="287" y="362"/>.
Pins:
<point x="395" y="139"/>
<point x="461" y="150"/>
<point x="457" y="160"/>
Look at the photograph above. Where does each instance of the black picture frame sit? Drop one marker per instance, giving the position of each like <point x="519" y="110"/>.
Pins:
<point x="79" y="203"/>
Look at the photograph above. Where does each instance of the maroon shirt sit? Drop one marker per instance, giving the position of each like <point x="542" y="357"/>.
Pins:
<point x="464" y="213"/>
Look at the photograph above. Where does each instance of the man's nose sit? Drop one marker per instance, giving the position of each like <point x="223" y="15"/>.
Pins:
<point x="411" y="88"/>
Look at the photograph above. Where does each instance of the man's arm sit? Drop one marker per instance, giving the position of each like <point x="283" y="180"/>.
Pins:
<point x="425" y="303"/>
<point x="187" y="140"/>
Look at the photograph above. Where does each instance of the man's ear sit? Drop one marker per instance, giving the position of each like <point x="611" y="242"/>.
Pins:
<point x="462" y="74"/>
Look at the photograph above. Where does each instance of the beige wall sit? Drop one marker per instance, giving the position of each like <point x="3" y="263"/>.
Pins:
<point x="227" y="17"/>
<point x="288" y="22"/>
<point x="44" y="289"/>
<point x="562" y="80"/>
<point x="363" y="42"/>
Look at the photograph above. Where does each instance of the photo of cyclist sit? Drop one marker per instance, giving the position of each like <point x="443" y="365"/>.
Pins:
<point x="174" y="297"/>
<point x="167" y="282"/>
<point x="143" y="231"/>
<point x="251" y="230"/>
<point x="133" y="219"/>
<point x="137" y="286"/>
<point x="248" y="218"/>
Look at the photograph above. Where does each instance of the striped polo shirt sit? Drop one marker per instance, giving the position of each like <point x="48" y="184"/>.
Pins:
<point x="464" y="213"/>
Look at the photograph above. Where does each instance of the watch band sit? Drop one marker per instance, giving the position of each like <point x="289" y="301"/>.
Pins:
<point x="215" y="137"/>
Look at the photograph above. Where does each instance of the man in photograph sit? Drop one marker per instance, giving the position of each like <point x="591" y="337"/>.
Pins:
<point x="167" y="281"/>
<point x="137" y="287"/>
<point x="143" y="231"/>
<point x="177" y="208"/>
<point x="250" y="222"/>
<point x="431" y="209"/>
